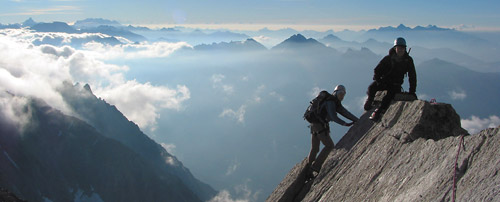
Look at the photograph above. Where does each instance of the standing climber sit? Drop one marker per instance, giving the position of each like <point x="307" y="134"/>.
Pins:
<point x="389" y="75"/>
<point x="320" y="130"/>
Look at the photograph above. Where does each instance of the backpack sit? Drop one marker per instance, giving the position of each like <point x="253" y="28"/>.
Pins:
<point x="313" y="113"/>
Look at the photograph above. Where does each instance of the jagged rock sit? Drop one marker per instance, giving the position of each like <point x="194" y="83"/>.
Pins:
<point x="56" y="157"/>
<point x="408" y="156"/>
<point x="7" y="196"/>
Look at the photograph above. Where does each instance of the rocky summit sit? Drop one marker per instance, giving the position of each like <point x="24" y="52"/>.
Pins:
<point x="418" y="151"/>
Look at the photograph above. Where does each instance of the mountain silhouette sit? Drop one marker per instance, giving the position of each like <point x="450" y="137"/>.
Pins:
<point x="109" y="121"/>
<point x="436" y="37"/>
<point x="408" y="156"/>
<point x="114" y="31"/>
<point x="54" y="27"/>
<point x="95" y="22"/>
<point x="402" y="27"/>
<point x="29" y="22"/>
<point x="299" y="45"/>
<point x="298" y="40"/>
<point x="247" y="45"/>
<point x="62" y="158"/>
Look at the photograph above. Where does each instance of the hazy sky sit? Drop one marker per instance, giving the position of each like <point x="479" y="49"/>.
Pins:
<point x="354" y="14"/>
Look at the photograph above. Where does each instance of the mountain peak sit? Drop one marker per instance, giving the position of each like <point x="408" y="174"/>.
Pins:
<point x="298" y="40"/>
<point x="95" y="22"/>
<point x="331" y="37"/>
<point x="29" y="22"/>
<point x="408" y="156"/>
<point x="87" y="88"/>
<point x="402" y="27"/>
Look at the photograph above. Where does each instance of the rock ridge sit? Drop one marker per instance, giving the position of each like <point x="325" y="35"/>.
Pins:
<point x="408" y="156"/>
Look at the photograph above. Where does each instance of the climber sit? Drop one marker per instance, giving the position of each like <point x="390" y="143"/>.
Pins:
<point x="321" y="131"/>
<point x="389" y="75"/>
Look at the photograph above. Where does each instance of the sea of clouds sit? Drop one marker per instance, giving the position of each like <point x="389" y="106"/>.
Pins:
<point x="29" y="70"/>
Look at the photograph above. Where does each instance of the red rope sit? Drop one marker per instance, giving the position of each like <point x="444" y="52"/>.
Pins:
<point x="455" y="172"/>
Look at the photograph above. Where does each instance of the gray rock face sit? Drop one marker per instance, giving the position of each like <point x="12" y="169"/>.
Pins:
<point x="408" y="156"/>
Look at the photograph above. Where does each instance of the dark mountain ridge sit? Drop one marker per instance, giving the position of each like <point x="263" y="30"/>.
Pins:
<point x="108" y="120"/>
<point x="61" y="158"/>
<point x="298" y="40"/>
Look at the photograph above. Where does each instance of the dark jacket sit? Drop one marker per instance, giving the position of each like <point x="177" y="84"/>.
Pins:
<point x="334" y="106"/>
<point x="392" y="69"/>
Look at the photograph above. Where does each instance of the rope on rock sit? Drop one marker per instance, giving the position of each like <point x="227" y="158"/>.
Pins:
<point x="455" y="171"/>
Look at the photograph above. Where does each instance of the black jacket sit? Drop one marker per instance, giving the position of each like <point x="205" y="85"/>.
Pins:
<point x="391" y="70"/>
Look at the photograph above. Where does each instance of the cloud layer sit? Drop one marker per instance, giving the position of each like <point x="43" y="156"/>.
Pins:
<point x="31" y="70"/>
<point x="475" y="124"/>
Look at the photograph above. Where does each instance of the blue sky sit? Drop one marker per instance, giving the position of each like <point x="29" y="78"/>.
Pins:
<point x="338" y="14"/>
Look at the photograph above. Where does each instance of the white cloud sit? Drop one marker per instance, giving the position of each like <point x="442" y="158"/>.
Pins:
<point x="27" y="71"/>
<point x="257" y="95"/>
<point x="95" y="49"/>
<point x="458" y="95"/>
<point x="12" y="109"/>
<point x="235" y="164"/>
<point x="225" y="196"/>
<point x="217" y="78"/>
<point x="238" y="115"/>
<point x="169" y="147"/>
<point x="262" y="39"/>
<point x="38" y="71"/>
<point x="228" y="89"/>
<point x="132" y="50"/>
<point x="281" y="98"/>
<point x="141" y="102"/>
<point x="476" y="124"/>
<point x="170" y="160"/>
<point x="243" y="194"/>
<point x="86" y="69"/>
<point x="217" y="83"/>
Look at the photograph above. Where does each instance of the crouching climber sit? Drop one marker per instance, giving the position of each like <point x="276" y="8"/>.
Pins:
<point x="321" y="111"/>
<point x="389" y="75"/>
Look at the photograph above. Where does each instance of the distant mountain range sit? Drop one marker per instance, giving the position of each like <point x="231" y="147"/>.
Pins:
<point x="402" y="27"/>
<point x="247" y="45"/>
<point x="299" y="41"/>
<point x="377" y="40"/>
<point x="95" y="22"/>
<point x="104" y="29"/>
